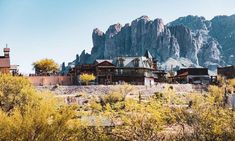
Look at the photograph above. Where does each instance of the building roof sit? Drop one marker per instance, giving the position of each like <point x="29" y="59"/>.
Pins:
<point x="4" y="62"/>
<point x="148" y="54"/>
<point x="128" y="62"/>
<point x="227" y="67"/>
<point x="103" y="60"/>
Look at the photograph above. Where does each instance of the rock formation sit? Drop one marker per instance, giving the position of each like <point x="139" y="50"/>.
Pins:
<point x="202" y="42"/>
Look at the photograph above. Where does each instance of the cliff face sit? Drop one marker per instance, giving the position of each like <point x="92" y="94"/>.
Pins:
<point x="223" y="30"/>
<point x="217" y="37"/>
<point x="143" y="34"/>
<point x="193" y="38"/>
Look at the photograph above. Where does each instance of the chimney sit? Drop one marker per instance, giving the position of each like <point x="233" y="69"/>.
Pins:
<point x="6" y="51"/>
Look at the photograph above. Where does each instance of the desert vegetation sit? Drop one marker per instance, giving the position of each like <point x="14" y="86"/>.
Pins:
<point x="86" y="78"/>
<point x="26" y="114"/>
<point x="45" y="66"/>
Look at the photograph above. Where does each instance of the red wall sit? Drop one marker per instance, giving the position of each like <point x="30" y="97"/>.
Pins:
<point x="50" y="80"/>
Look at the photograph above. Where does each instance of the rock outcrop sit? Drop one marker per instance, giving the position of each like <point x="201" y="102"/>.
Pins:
<point x="202" y="42"/>
<point x="223" y="30"/>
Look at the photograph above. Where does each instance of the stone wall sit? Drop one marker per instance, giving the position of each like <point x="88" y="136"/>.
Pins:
<point x="50" y="80"/>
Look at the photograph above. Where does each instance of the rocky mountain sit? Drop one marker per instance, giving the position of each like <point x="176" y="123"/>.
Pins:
<point x="191" y="39"/>
<point x="217" y="36"/>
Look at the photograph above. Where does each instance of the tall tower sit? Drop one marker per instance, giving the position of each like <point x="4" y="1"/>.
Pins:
<point x="6" y="51"/>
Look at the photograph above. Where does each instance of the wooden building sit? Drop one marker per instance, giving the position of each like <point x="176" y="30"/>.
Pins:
<point x="138" y="70"/>
<point x="160" y="76"/>
<point x="5" y="61"/>
<point x="134" y="70"/>
<point x="227" y="72"/>
<point x="104" y="71"/>
<point x="193" y="76"/>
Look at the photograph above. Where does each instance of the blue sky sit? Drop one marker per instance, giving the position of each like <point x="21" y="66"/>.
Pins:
<point x="60" y="29"/>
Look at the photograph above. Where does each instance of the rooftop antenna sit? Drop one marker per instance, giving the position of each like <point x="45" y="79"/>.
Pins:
<point x="6" y="45"/>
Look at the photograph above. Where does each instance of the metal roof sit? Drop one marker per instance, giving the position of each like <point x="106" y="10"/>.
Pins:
<point x="128" y="62"/>
<point x="103" y="60"/>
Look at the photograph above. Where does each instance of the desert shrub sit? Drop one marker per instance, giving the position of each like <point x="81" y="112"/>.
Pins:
<point x="86" y="78"/>
<point x="113" y="98"/>
<point x="205" y="120"/>
<point x="140" y="122"/>
<point x="95" y="106"/>
<point x="26" y="114"/>
<point x="14" y="91"/>
<point x="232" y="82"/>
<point x="216" y="94"/>
<point x="221" y="80"/>
<point x="158" y="95"/>
<point x="124" y="90"/>
<point x="171" y="87"/>
<point x="172" y="98"/>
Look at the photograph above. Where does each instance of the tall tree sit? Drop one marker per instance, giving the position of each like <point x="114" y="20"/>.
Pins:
<point x="45" y="66"/>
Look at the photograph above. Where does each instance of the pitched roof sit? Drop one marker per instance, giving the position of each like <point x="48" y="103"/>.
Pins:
<point x="4" y="62"/>
<point x="102" y="60"/>
<point x="148" y="54"/>
<point x="128" y="62"/>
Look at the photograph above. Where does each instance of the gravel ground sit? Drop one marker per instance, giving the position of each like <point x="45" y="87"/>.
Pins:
<point x="104" y="89"/>
<point x="83" y="94"/>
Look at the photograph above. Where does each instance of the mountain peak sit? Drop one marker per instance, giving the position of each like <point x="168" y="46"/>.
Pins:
<point x="193" y="22"/>
<point x="144" y="17"/>
<point x="98" y="32"/>
<point x="113" y="29"/>
<point x="206" y="43"/>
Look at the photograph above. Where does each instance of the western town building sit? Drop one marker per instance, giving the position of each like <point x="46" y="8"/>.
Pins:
<point x="138" y="70"/>
<point x="193" y="76"/>
<point x="133" y="70"/>
<point x="5" y="61"/>
<point x="5" y="65"/>
<point x="227" y="72"/>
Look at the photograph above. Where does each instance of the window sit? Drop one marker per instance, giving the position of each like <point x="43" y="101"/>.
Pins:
<point x="121" y="62"/>
<point x="136" y="62"/>
<point x="121" y="71"/>
<point x="116" y="70"/>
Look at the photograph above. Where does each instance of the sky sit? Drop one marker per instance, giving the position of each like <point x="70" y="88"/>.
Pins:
<point x="60" y="29"/>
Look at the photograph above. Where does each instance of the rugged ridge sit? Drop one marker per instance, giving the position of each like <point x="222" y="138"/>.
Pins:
<point x="193" y="38"/>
